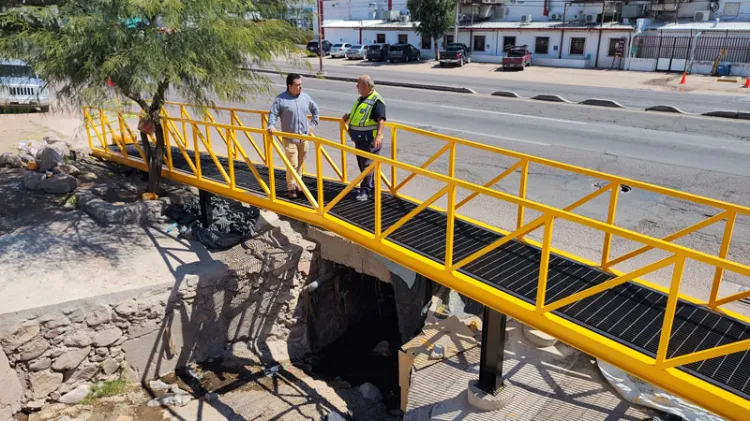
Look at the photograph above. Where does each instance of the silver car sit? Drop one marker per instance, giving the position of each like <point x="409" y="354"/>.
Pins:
<point x="20" y="87"/>
<point x="339" y="50"/>
<point x="357" y="52"/>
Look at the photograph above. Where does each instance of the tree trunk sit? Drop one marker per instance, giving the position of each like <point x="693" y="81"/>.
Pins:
<point x="437" y="50"/>
<point x="156" y="160"/>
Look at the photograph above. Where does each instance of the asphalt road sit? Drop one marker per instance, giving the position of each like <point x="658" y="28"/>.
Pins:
<point x="695" y="154"/>
<point x="635" y="98"/>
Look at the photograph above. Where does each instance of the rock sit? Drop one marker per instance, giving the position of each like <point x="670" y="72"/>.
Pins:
<point x="54" y="333"/>
<point x="110" y="366"/>
<point x="34" y="405"/>
<point x="76" y="395"/>
<point x="70" y="359"/>
<point x="44" y="383"/>
<point x="107" y="336"/>
<point x="142" y="328"/>
<point x="84" y="373"/>
<point x="96" y="359"/>
<point x="33" y="349"/>
<point x="11" y="390"/>
<point x="26" y="157"/>
<point x="127" y="309"/>
<point x="69" y="169"/>
<point x="158" y="388"/>
<point x="383" y="349"/>
<point x="123" y="418"/>
<point x="76" y="315"/>
<point x="80" y="339"/>
<point x="89" y="176"/>
<point x="11" y="160"/>
<point x="101" y="314"/>
<point x="20" y="336"/>
<point x="52" y="321"/>
<point x="33" y="180"/>
<point x="170" y="400"/>
<point x="334" y="416"/>
<point x="59" y="184"/>
<point x="40" y="364"/>
<point x="56" y="352"/>
<point x="48" y="158"/>
<point x="102" y="352"/>
<point x="370" y="392"/>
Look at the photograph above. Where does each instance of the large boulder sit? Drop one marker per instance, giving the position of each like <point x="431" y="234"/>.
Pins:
<point x="49" y="157"/>
<point x="33" y="180"/>
<point x="59" y="183"/>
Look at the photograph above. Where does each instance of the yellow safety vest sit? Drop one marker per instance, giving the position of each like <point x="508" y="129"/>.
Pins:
<point x="360" y="118"/>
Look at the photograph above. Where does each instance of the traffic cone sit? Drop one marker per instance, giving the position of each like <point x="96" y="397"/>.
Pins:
<point x="747" y="82"/>
<point x="684" y="79"/>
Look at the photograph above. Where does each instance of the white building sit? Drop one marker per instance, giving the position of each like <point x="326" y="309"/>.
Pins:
<point x="577" y="33"/>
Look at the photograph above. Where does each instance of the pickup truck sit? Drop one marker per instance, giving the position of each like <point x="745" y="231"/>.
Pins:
<point x="517" y="58"/>
<point x="455" y="53"/>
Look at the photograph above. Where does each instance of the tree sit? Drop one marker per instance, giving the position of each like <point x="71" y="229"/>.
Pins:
<point x="433" y="18"/>
<point x="195" y="49"/>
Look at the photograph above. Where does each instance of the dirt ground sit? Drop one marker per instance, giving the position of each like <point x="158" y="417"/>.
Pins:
<point x="63" y="124"/>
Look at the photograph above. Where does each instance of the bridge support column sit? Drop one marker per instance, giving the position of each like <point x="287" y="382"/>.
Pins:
<point x="490" y="392"/>
<point x="204" y="199"/>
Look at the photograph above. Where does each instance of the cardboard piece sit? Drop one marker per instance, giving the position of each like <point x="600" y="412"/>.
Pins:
<point x="455" y="337"/>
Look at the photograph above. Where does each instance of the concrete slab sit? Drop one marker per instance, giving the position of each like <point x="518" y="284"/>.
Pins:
<point x="554" y="383"/>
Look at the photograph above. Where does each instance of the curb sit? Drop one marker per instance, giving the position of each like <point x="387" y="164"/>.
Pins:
<point x="506" y="94"/>
<point x="551" y="98"/>
<point x="602" y="103"/>
<point x="665" y="109"/>
<point x="722" y="114"/>
<point x="441" y="88"/>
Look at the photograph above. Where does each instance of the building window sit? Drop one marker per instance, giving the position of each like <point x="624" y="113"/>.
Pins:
<point x="614" y="43"/>
<point x="508" y="42"/>
<point x="448" y="39"/>
<point x="541" y="46"/>
<point x="577" y="46"/>
<point x="426" y="43"/>
<point x="403" y="38"/>
<point x="731" y="9"/>
<point x="479" y="42"/>
<point x="380" y="38"/>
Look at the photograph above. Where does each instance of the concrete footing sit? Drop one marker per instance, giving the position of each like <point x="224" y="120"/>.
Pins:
<point x="538" y="338"/>
<point x="484" y="401"/>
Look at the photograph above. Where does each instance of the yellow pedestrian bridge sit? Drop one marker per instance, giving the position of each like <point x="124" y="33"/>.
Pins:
<point x="695" y="348"/>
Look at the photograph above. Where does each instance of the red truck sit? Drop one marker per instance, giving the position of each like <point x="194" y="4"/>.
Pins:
<point x="517" y="58"/>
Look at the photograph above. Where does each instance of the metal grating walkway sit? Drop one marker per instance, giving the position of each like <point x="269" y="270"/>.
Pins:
<point x="630" y="313"/>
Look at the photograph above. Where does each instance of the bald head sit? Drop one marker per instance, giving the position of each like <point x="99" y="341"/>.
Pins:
<point x="365" y="85"/>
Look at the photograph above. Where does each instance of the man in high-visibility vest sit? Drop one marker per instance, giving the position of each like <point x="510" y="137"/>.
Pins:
<point x="366" y="123"/>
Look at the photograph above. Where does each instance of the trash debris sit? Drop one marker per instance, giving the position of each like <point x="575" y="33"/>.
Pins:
<point x="383" y="349"/>
<point x="438" y="352"/>
<point x="370" y="392"/>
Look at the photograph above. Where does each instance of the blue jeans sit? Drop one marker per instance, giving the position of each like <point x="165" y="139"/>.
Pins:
<point x="363" y="141"/>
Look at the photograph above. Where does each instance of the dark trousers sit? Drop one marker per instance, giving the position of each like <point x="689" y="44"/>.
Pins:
<point x="363" y="141"/>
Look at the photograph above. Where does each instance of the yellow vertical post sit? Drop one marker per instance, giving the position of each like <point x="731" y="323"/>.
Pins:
<point x="319" y="176"/>
<point x="196" y="152"/>
<point x="232" y="118"/>
<point x="725" y="242"/>
<point x="613" y="195"/>
<point x="86" y="118"/>
<point x="378" y="204"/>
<point x="450" y="226"/>
<point x="394" y="155"/>
<point x="342" y="135"/>
<point x="264" y="126"/>
<point x="269" y="164"/>
<point x="184" y="125"/>
<point x="522" y="192"/>
<point x="541" y="292"/>
<point x="122" y="130"/>
<point x="101" y="121"/>
<point x="230" y="157"/>
<point x="666" y="329"/>
<point x="165" y="130"/>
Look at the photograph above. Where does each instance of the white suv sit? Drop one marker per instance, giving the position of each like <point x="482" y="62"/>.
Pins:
<point x="20" y="87"/>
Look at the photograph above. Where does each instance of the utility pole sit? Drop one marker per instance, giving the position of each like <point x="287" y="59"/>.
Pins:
<point x="455" y="28"/>
<point x="320" y="38"/>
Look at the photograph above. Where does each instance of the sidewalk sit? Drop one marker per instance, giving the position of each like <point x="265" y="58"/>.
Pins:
<point x="653" y="81"/>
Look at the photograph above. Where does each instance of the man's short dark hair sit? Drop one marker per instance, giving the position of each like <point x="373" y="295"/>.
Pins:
<point x="291" y="77"/>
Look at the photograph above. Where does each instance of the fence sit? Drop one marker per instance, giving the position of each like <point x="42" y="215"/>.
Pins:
<point x="707" y="48"/>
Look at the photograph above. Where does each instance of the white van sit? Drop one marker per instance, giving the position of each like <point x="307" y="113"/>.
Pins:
<point x="20" y="87"/>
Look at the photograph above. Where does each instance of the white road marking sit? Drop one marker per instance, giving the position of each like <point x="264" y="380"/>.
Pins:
<point x="511" y="139"/>
<point x="559" y="120"/>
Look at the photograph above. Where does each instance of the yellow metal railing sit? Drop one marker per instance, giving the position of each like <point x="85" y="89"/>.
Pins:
<point x="660" y="370"/>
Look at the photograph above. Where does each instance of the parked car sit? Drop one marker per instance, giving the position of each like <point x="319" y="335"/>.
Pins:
<point x="356" y="52"/>
<point x="403" y="52"/>
<point x="455" y="53"/>
<point x="378" y="52"/>
<point x="339" y="50"/>
<point x="20" y="87"/>
<point x="312" y="47"/>
<point x="517" y="58"/>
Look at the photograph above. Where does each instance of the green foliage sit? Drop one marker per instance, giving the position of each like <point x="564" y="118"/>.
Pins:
<point x="433" y="17"/>
<point x="195" y="49"/>
<point x="106" y="389"/>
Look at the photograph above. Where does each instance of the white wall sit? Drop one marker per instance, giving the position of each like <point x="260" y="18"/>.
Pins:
<point x="337" y="35"/>
<point x="642" y="64"/>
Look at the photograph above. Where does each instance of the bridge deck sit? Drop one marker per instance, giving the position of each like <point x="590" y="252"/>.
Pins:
<point x="630" y="314"/>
